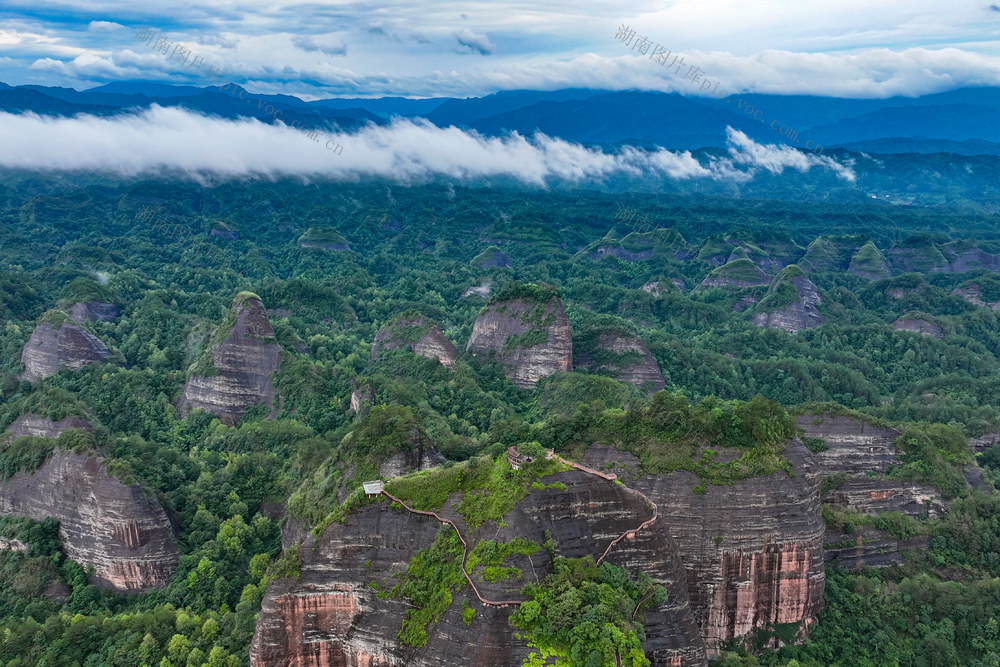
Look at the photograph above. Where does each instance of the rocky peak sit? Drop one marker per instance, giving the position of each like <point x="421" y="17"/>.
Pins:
<point x="235" y="371"/>
<point x="492" y="258"/>
<point x="738" y="273"/>
<point x="613" y="349"/>
<point x="418" y="334"/>
<point x="869" y="263"/>
<point x="830" y="253"/>
<point x="58" y="342"/>
<point x="526" y="326"/>
<point x="792" y="303"/>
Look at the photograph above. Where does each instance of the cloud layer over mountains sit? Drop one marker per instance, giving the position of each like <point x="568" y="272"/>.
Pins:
<point x="173" y="139"/>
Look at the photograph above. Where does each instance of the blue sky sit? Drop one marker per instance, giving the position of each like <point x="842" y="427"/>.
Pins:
<point x="443" y="48"/>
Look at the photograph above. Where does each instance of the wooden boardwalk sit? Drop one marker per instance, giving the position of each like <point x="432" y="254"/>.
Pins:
<point x="628" y="534"/>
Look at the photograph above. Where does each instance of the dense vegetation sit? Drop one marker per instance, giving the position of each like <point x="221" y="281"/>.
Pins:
<point x="419" y="249"/>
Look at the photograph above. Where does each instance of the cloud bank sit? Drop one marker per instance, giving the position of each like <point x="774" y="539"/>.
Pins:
<point x="179" y="141"/>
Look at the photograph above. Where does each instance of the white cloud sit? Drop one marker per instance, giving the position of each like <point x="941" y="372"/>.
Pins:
<point x="104" y="26"/>
<point x="161" y="139"/>
<point x="309" y="44"/>
<point x="474" y="42"/>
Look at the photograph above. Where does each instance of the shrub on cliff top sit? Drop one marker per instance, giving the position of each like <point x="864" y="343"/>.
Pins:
<point x="542" y="293"/>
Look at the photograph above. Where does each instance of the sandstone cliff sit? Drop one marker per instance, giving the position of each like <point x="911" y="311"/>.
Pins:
<point x="94" y="311"/>
<point x="331" y="615"/>
<point x="42" y="427"/>
<point x="623" y="356"/>
<point x="417" y="334"/>
<point x="919" y="325"/>
<point x="792" y="303"/>
<point x="56" y="343"/>
<point x="236" y="371"/>
<point x="117" y="528"/>
<point x="753" y="550"/>
<point x="973" y="293"/>
<point x="492" y="258"/>
<point x="531" y="336"/>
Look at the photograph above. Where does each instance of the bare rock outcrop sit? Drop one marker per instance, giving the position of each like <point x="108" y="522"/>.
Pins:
<point x="973" y="293"/>
<point x="528" y="332"/>
<point x="880" y="496"/>
<point x="419" y="335"/>
<point x="492" y="258"/>
<point x="95" y="311"/>
<point x="919" y="325"/>
<point x="869" y="547"/>
<point x="410" y="460"/>
<point x="236" y="371"/>
<point x="332" y="615"/>
<point x="853" y="446"/>
<point x="119" y="529"/>
<point x="792" y="303"/>
<point x="58" y="343"/>
<point x="623" y="356"/>
<point x="753" y="550"/>
<point x="38" y="426"/>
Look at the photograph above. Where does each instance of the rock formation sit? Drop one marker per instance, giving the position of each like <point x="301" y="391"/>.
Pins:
<point x="419" y="335"/>
<point x="478" y="290"/>
<point x="753" y="550"/>
<point x="236" y="370"/>
<point x="492" y="258"/>
<point x="830" y="253"/>
<point x="963" y="256"/>
<point x="529" y="334"/>
<point x="973" y="293"/>
<point x="94" y="311"/>
<point x="869" y="263"/>
<point x="42" y="427"/>
<point x="623" y="356"/>
<point x="331" y="615"/>
<point x="853" y="446"/>
<point x="57" y="342"/>
<point x="324" y="239"/>
<point x="922" y="257"/>
<point x="362" y="398"/>
<point x="740" y="273"/>
<point x="119" y="529"/>
<point x="792" y="303"/>
<point x="411" y="460"/>
<point x="918" y="324"/>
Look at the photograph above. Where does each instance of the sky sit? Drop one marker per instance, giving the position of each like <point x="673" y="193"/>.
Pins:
<point x="440" y="48"/>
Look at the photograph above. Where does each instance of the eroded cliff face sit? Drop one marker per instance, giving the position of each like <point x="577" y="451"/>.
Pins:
<point x="94" y="311"/>
<point x="802" y="313"/>
<point x="918" y="325"/>
<point x="643" y="372"/>
<point x="42" y="427"/>
<point x="738" y="273"/>
<point x="54" y="345"/>
<point x="432" y="344"/>
<point x="862" y="453"/>
<point x="245" y="361"/>
<point x="412" y="460"/>
<point x="973" y="293"/>
<point x="502" y="324"/>
<point x="117" y="528"/>
<point x="753" y="550"/>
<point x="332" y="615"/>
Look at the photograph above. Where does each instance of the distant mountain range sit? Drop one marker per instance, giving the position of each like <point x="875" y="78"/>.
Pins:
<point x="964" y="121"/>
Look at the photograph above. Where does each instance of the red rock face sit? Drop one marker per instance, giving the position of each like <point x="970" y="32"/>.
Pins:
<point x="761" y="589"/>
<point x="496" y="330"/>
<point x="121" y="531"/>
<point x="753" y="550"/>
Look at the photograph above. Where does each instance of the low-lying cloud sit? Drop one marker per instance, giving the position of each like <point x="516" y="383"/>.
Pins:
<point x="179" y="141"/>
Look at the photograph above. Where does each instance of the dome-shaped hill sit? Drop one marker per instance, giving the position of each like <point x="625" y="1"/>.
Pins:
<point x="792" y="303"/>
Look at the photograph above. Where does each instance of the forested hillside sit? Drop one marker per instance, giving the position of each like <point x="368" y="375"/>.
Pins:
<point x="364" y="298"/>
